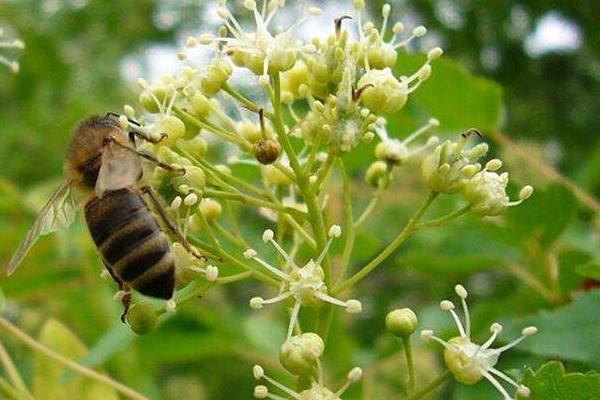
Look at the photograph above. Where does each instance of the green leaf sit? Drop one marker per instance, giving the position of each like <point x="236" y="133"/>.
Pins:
<point x="569" y="332"/>
<point x="453" y="95"/>
<point x="49" y="382"/>
<point x="591" y="270"/>
<point x="552" y="382"/>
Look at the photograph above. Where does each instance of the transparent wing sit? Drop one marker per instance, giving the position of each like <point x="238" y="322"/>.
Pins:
<point x="59" y="212"/>
<point x="120" y="168"/>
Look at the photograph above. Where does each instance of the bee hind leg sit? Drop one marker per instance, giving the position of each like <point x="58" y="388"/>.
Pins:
<point x="124" y="291"/>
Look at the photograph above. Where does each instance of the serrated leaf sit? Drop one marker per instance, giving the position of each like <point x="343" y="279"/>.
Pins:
<point x="552" y="382"/>
<point x="568" y="332"/>
<point x="591" y="270"/>
<point x="49" y="382"/>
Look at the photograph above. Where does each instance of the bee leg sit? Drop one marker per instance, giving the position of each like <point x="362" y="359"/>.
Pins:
<point x="150" y="157"/>
<point x="147" y="138"/>
<point x="123" y="287"/>
<point x="126" y="300"/>
<point x="164" y="215"/>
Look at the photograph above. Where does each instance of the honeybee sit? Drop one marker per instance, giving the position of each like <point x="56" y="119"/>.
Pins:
<point x="104" y="175"/>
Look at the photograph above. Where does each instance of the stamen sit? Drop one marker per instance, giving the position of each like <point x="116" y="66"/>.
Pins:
<point x="496" y="328"/>
<point x="271" y="268"/>
<point x="325" y="250"/>
<point x="386" y="14"/>
<point x="447" y="305"/>
<point x="502" y="375"/>
<point x="281" y="387"/>
<point x="462" y="293"/>
<point x="430" y="124"/>
<point x="496" y="384"/>
<point x="278" y="298"/>
<point x="288" y="259"/>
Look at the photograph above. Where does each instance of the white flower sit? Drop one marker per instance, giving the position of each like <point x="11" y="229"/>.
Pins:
<point x="316" y="392"/>
<point x="304" y="284"/>
<point x="470" y="362"/>
<point x="10" y="45"/>
<point x="262" y="51"/>
<point x="486" y="191"/>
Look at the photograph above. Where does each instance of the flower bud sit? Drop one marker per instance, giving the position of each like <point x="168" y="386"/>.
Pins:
<point x="267" y="151"/>
<point x="249" y="131"/>
<point x="147" y="102"/>
<point x="194" y="177"/>
<point x="217" y="74"/>
<point x="273" y="176"/>
<point x="201" y="106"/>
<point x="142" y="318"/>
<point x="292" y="80"/>
<point x="382" y="56"/>
<point x="383" y="92"/>
<point x="377" y="175"/>
<point x="401" y="322"/>
<point x="299" y="354"/>
<point x="172" y="126"/>
<point x="197" y="147"/>
<point x="211" y="209"/>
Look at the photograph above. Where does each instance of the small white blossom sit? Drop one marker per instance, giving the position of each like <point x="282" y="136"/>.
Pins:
<point x="302" y="283"/>
<point x="397" y="152"/>
<point x="470" y="362"/>
<point x="317" y="391"/>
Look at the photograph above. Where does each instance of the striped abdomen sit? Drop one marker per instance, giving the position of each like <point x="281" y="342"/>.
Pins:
<point x="131" y="242"/>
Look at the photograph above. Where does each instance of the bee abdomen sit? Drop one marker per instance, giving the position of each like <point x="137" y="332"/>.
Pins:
<point x="131" y="242"/>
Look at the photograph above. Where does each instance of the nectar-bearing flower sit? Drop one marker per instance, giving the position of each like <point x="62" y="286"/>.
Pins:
<point x="317" y="391"/>
<point x="486" y="191"/>
<point x="470" y="362"/>
<point x="304" y="284"/>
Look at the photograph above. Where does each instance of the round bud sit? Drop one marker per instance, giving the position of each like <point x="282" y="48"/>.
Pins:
<point x="172" y="126"/>
<point x="299" y="354"/>
<point x="401" y="322"/>
<point x="142" y="318"/>
<point x="267" y="151"/>
<point x="194" y="177"/>
<point x="211" y="209"/>
<point x="273" y="176"/>
<point x="201" y="106"/>
<point x="249" y="131"/>
<point x="148" y="103"/>
<point x="382" y="91"/>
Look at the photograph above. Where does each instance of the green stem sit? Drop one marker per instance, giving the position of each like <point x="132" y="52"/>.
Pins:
<point x="244" y="198"/>
<point x="348" y="221"/>
<point x="406" y="341"/>
<point x="235" y="278"/>
<point x="70" y="364"/>
<point x="243" y="100"/>
<point x="12" y="371"/>
<point x="444" y="219"/>
<point x="404" y="234"/>
<point x="223" y="134"/>
<point x="431" y="387"/>
<point x="13" y="393"/>
<point x="368" y="210"/>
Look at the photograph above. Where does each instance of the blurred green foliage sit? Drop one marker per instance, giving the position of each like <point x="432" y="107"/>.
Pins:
<point x="523" y="267"/>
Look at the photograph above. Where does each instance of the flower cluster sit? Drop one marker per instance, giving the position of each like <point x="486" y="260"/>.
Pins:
<point x="470" y="362"/>
<point x="453" y="167"/>
<point x="10" y="44"/>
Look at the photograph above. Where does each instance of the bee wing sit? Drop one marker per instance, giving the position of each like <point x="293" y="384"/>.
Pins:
<point x="59" y="212"/>
<point x="120" y="168"/>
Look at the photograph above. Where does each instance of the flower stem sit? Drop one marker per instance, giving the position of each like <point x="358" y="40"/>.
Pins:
<point x="12" y="371"/>
<point x="402" y="236"/>
<point x="406" y="341"/>
<point x="11" y="392"/>
<point x="348" y="221"/>
<point x="87" y="372"/>
<point x="368" y="210"/>
<point x="244" y="101"/>
<point x="444" y="219"/>
<point x="431" y="387"/>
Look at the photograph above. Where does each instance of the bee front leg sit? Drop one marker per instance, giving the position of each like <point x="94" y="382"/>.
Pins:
<point x="160" y="208"/>
<point x="147" y="156"/>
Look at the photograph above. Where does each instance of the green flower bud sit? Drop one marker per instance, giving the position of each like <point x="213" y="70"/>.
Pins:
<point x="401" y="322"/>
<point x="201" y="106"/>
<point x="282" y="59"/>
<point x="148" y="103"/>
<point x="377" y="175"/>
<point x="172" y="126"/>
<point x="196" y="147"/>
<point x="382" y="91"/>
<point x="293" y="79"/>
<point x="383" y="56"/>
<point x="168" y="156"/>
<point x="267" y="151"/>
<point x="142" y="318"/>
<point x="218" y="72"/>
<point x="249" y="131"/>
<point x="273" y="176"/>
<point x="194" y="177"/>
<point x="211" y="209"/>
<point x="299" y="354"/>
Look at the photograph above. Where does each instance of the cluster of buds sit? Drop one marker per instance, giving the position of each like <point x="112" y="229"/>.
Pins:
<point x="452" y="167"/>
<point x="470" y="362"/>
<point x="10" y="44"/>
<point x="304" y="284"/>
